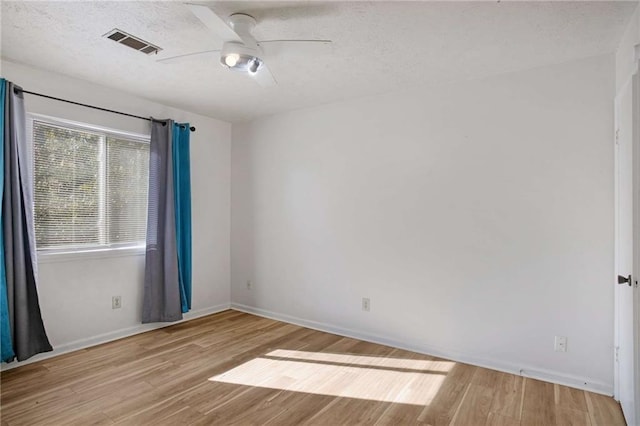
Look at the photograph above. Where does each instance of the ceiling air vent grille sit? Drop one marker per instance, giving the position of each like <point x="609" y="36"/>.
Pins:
<point x="131" y="41"/>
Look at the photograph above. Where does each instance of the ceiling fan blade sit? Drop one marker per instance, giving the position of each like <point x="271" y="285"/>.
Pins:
<point x="187" y="56"/>
<point x="264" y="77"/>
<point x="296" y="47"/>
<point x="214" y="22"/>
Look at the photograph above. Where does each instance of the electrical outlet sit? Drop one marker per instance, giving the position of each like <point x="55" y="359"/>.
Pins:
<point x="249" y="285"/>
<point x="116" y="302"/>
<point x="366" y="304"/>
<point x="561" y="344"/>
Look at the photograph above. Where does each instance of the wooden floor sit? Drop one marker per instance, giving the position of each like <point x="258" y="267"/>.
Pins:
<point x="235" y="368"/>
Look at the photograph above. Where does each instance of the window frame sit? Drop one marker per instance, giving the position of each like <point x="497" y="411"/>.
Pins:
<point x="90" y="251"/>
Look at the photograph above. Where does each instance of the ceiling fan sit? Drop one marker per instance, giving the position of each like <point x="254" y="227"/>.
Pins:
<point x="241" y="52"/>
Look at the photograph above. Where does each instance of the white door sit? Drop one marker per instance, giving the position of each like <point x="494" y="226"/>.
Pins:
<point x="627" y="126"/>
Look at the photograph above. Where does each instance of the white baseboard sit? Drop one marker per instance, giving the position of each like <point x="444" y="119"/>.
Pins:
<point x="113" y="335"/>
<point x="521" y="370"/>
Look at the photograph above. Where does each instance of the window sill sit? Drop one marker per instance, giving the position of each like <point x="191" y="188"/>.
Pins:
<point x="85" y="254"/>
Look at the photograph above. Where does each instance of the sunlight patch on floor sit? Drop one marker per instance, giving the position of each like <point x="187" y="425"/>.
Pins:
<point x="395" y="380"/>
<point x="399" y="363"/>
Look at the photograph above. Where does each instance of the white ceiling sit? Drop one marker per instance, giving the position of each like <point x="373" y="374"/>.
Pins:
<point x="378" y="46"/>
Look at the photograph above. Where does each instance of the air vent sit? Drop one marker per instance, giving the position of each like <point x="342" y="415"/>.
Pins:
<point x="131" y="41"/>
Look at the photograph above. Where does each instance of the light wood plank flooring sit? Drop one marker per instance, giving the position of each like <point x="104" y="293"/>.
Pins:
<point x="236" y="368"/>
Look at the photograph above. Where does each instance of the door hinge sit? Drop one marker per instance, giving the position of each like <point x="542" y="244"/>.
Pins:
<point x="617" y="136"/>
<point x="616" y="351"/>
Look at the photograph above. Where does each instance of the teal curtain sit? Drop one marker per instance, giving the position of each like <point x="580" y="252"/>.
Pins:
<point x="6" y="346"/>
<point x="182" y="198"/>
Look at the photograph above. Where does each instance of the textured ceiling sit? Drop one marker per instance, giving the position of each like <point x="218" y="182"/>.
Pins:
<point x="378" y="46"/>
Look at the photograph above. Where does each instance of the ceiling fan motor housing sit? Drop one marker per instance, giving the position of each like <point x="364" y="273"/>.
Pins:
<point x="242" y="24"/>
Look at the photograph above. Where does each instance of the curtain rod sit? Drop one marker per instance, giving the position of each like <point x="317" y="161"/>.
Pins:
<point x="17" y="90"/>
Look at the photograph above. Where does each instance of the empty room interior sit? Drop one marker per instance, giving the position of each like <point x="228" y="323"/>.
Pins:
<point x="320" y="212"/>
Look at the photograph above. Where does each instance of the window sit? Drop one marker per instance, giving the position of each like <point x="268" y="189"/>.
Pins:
<point x="90" y="187"/>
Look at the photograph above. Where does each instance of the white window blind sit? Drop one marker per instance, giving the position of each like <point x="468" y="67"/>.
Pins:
<point x="90" y="187"/>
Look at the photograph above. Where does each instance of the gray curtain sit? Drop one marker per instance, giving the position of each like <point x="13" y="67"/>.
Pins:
<point x="161" y="289"/>
<point x="29" y="336"/>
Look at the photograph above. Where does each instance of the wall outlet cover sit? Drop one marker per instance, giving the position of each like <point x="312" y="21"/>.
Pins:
<point x="116" y="302"/>
<point x="366" y="304"/>
<point x="560" y="344"/>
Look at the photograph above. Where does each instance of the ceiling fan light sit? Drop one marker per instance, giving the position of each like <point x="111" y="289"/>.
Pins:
<point x="232" y="59"/>
<point x="241" y="62"/>
<point x="239" y="57"/>
<point x="254" y="65"/>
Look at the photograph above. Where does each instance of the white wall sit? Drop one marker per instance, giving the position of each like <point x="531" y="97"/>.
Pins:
<point x="625" y="55"/>
<point x="478" y="217"/>
<point x="75" y="294"/>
